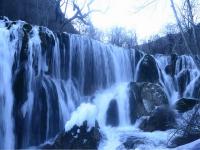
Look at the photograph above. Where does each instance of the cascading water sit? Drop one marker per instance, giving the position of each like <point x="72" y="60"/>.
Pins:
<point x="6" y="96"/>
<point x="170" y="83"/>
<point x="50" y="75"/>
<point x="46" y="76"/>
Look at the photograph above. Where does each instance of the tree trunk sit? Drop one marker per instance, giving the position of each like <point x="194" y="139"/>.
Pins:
<point x="183" y="35"/>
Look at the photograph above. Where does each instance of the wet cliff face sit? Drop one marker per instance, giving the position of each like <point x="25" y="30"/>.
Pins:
<point x="37" y="12"/>
<point x="45" y="76"/>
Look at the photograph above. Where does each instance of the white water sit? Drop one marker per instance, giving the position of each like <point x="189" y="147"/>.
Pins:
<point x="102" y="100"/>
<point x="7" y="50"/>
<point x="87" y="71"/>
<point x="170" y="84"/>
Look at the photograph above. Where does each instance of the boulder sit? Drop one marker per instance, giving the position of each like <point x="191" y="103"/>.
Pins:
<point x="112" y="114"/>
<point x="144" y="98"/>
<point x="137" y="108"/>
<point x="152" y="96"/>
<point x="186" y="104"/>
<point x="76" y="138"/>
<point x="162" y="118"/>
<point x="148" y="71"/>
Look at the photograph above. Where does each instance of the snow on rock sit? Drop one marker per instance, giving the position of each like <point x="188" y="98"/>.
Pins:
<point x="85" y="112"/>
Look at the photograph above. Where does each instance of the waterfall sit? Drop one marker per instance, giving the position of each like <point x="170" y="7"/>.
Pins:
<point x="45" y="76"/>
<point x="170" y="83"/>
<point x="48" y="75"/>
<point x="6" y="96"/>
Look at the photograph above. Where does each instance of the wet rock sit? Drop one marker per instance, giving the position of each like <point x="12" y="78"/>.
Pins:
<point x="148" y="71"/>
<point x="76" y="138"/>
<point x="27" y="27"/>
<point x="171" y="68"/>
<point x="153" y="95"/>
<point x="144" y="98"/>
<point x="20" y="91"/>
<point x="137" y="108"/>
<point x="47" y="45"/>
<point x="138" y="56"/>
<point x="112" y="114"/>
<point x="162" y="118"/>
<point x="185" y="104"/>
<point x="133" y="142"/>
<point x="64" y="54"/>
<point x="183" y="80"/>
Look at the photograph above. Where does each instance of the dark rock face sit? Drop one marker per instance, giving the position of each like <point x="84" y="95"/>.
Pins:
<point x="112" y="117"/>
<point x="171" y="68"/>
<point x="20" y="90"/>
<point x="76" y="138"/>
<point x="183" y="80"/>
<point x="144" y="98"/>
<point x="148" y="71"/>
<point x="162" y="118"/>
<point x="37" y="12"/>
<point x="185" y="104"/>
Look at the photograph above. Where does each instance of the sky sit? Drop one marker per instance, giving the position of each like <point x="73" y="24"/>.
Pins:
<point x="129" y="14"/>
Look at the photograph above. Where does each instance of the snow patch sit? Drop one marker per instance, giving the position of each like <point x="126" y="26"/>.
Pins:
<point x="85" y="112"/>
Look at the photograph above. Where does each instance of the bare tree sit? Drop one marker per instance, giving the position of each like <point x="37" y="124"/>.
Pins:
<point x="123" y="38"/>
<point x="194" y="50"/>
<point x="81" y="10"/>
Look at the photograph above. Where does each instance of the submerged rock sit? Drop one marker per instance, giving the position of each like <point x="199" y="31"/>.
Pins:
<point x="148" y="71"/>
<point x="132" y="142"/>
<point x="162" y="118"/>
<point x="144" y="98"/>
<point x="77" y="138"/>
<point x="112" y="114"/>
<point x="185" y="104"/>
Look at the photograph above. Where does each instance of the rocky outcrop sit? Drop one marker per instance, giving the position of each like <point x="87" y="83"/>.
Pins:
<point x="144" y="98"/>
<point x="77" y="138"/>
<point x="38" y="12"/>
<point x="162" y="118"/>
<point x="185" y="104"/>
<point x="148" y="71"/>
<point x="112" y="114"/>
